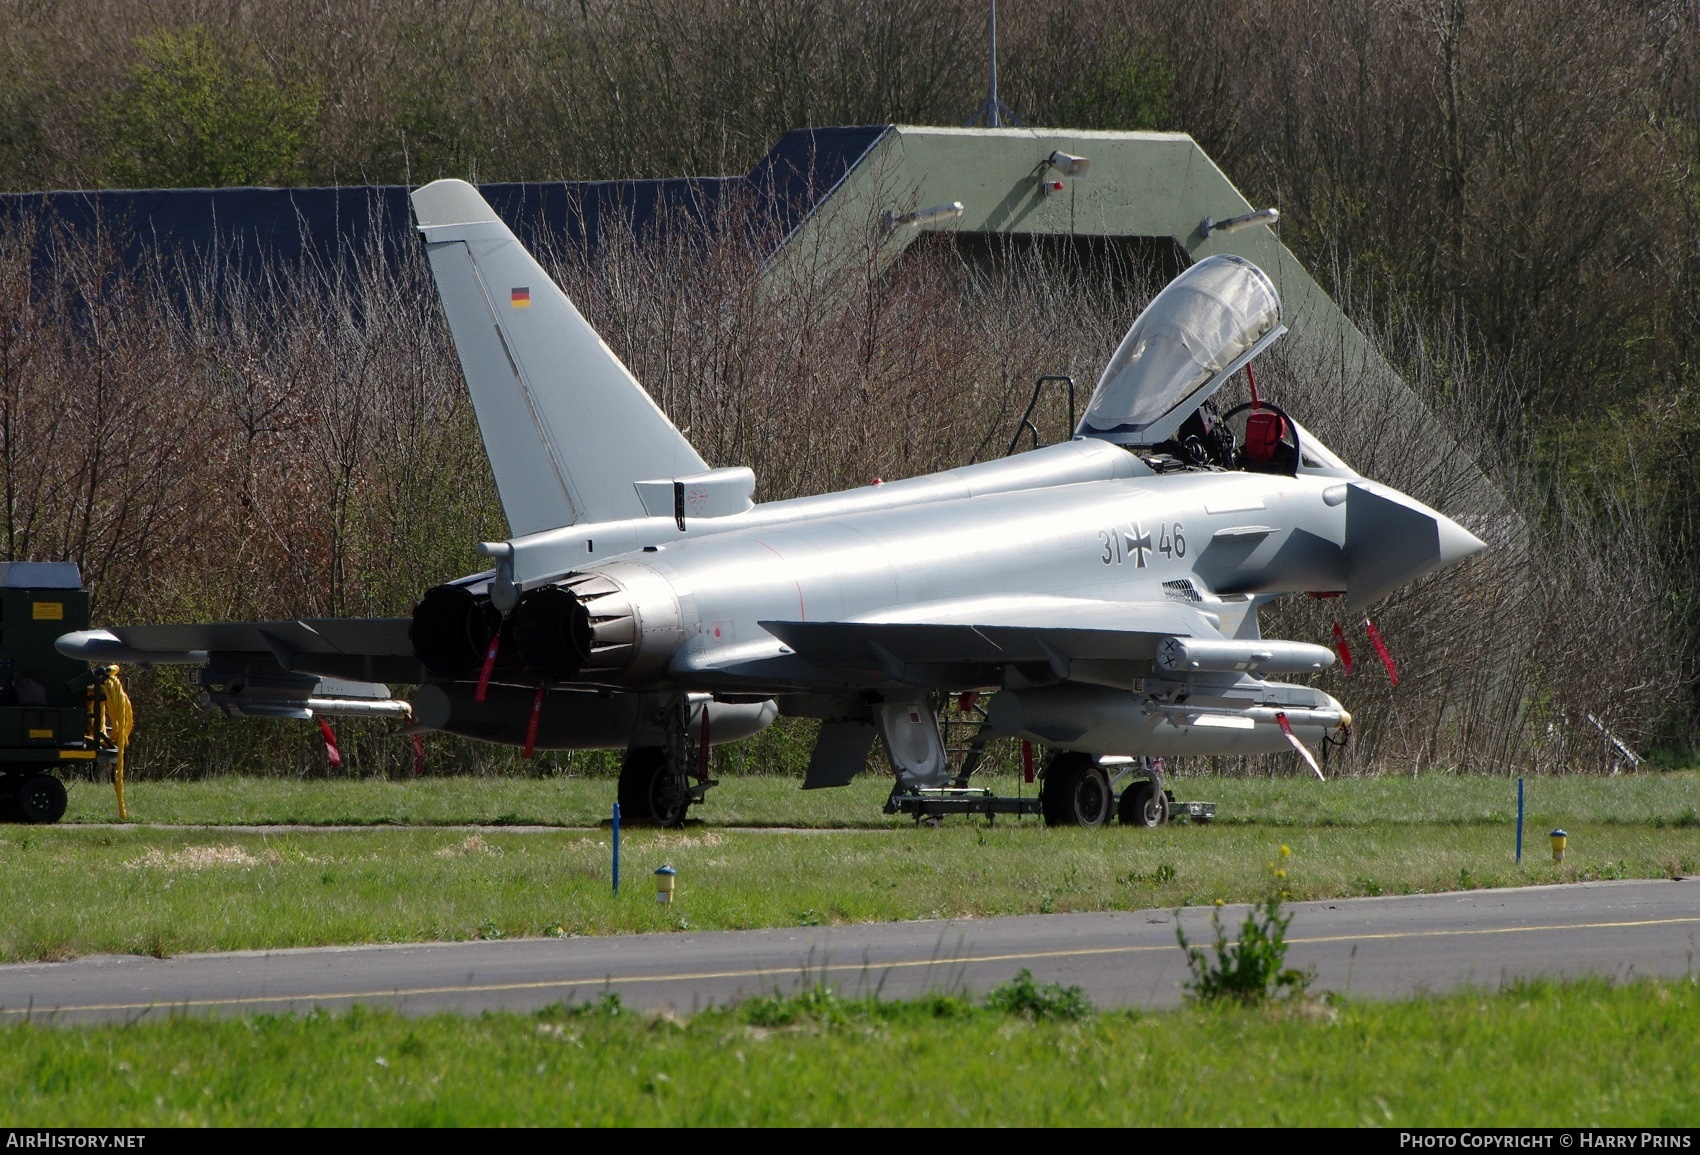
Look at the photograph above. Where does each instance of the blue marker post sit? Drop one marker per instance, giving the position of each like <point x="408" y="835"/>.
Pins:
<point x="617" y="843"/>
<point x="1519" y="820"/>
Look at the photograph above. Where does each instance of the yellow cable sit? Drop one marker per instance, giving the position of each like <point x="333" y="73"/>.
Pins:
<point x="120" y="720"/>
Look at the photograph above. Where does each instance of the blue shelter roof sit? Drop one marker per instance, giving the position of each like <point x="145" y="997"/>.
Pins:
<point x="331" y="225"/>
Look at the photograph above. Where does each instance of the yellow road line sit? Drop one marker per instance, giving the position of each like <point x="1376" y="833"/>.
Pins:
<point x="698" y="976"/>
<point x="1496" y="930"/>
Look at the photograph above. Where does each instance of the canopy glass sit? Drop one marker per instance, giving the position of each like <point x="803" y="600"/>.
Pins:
<point x="1190" y="339"/>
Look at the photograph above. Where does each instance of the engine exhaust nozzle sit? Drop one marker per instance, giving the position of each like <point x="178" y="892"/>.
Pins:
<point x="619" y="625"/>
<point x="552" y="630"/>
<point x="451" y="630"/>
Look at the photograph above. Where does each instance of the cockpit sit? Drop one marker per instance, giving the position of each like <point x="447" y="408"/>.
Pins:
<point x="1156" y="395"/>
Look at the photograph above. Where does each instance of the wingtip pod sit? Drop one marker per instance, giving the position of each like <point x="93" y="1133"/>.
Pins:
<point x="104" y="646"/>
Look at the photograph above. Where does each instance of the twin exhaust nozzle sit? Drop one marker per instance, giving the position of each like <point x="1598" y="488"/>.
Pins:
<point x="582" y="628"/>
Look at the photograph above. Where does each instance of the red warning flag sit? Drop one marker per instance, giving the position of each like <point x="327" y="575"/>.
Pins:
<point x="489" y="664"/>
<point x="418" y="757"/>
<point x="531" y="727"/>
<point x="332" y="754"/>
<point x="1026" y="760"/>
<point x="1345" y="650"/>
<point x="1381" y="648"/>
<point x="1287" y="729"/>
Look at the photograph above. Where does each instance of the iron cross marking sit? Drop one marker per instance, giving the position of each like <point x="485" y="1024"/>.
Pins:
<point x="1138" y="543"/>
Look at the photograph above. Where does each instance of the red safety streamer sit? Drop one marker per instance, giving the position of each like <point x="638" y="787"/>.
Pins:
<point x="1026" y="761"/>
<point x="1345" y="650"/>
<point x="1287" y="729"/>
<point x="1251" y="381"/>
<point x="531" y="726"/>
<point x="418" y="757"/>
<point x="489" y="665"/>
<point x="965" y="701"/>
<point x="1381" y="648"/>
<point x="332" y="753"/>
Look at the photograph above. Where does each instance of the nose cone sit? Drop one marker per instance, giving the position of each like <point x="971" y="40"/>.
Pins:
<point x="1456" y="542"/>
<point x="1393" y="539"/>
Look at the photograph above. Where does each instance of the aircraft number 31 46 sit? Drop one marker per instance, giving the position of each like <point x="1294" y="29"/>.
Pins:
<point x="1132" y="542"/>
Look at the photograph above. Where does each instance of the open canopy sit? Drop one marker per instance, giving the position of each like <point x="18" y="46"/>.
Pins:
<point x="1190" y="339"/>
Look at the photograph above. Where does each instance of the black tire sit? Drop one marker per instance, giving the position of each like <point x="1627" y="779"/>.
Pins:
<point x="1076" y="792"/>
<point x="650" y="791"/>
<point x="1142" y="804"/>
<point x="40" y="800"/>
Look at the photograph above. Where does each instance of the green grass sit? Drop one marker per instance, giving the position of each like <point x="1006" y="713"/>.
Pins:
<point x="555" y="801"/>
<point x="1585" y="1054"/>
<point x="1670" y="799"/>
<point x="1658" y="799"/>
<point x="66" y="891"/>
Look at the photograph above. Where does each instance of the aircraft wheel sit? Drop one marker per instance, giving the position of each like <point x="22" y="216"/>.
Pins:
<point x="40" y="799"/>
<point x="1076" y="792"/>
<point x="1143" y="804"/>
<point x="650" y="791"/>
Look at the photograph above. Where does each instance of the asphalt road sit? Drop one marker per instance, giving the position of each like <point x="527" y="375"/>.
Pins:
<point x="1368" y="947"/>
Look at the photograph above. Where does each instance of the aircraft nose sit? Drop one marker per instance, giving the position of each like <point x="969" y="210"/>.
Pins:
<point x="1456" y="542"/>
<point x="1392" y="539"/>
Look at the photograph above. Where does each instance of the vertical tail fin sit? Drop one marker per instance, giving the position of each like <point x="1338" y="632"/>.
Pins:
<point x="568" y="429"/>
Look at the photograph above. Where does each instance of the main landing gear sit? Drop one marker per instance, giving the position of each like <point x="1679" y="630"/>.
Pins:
<point x="656" y="782"/>
<point x="1079" y="790"/>
<point x="1075" y="791"/>
<point x="652" y="791"/>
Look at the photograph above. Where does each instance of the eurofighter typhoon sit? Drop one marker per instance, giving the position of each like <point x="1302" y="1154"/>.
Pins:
<point x="1105" y="589"/>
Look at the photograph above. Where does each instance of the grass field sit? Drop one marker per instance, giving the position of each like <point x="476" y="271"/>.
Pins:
<point x="1662" y="799"/>
<point x="67" y="891"/>
<point x="1584" y="1055"/>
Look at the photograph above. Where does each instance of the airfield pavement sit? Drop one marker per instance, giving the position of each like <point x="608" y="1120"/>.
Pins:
<point x="1365" y="947"/>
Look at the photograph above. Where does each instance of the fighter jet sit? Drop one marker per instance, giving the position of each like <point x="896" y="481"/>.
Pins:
<point x="1105" y="590"/>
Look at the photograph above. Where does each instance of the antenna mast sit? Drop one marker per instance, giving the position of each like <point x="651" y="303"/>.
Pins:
<point x="994" y="111"/>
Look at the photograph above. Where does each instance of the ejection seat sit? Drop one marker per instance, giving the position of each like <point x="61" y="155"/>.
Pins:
<point x="1271" y="443"/>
